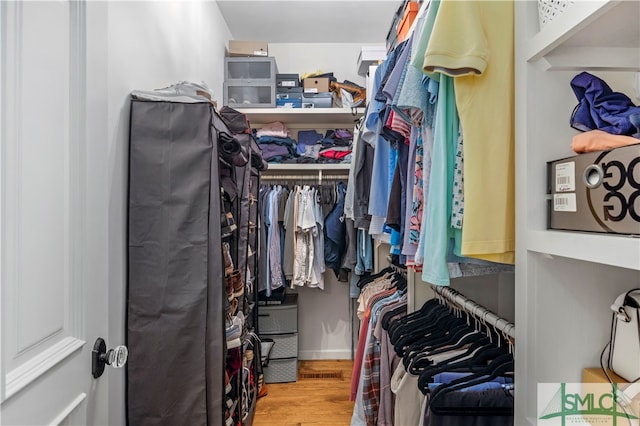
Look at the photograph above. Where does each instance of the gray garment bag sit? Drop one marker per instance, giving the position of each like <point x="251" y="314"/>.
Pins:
<point x="175" y="325"/>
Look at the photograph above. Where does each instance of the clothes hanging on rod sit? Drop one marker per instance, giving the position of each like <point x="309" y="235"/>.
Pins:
<point x="381" y="293"/>
<point x="449" y="363"/>
<point x="304" y="231"/>
<point x="444" y="203"/>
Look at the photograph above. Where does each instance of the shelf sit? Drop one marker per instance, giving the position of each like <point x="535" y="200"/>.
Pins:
<point x="590" y="35"/>
<point x="616" y="250"/>
<point x="307" y="167"/>
<point x="567" y="58"/>
<point x="336" y="116"/>
<point x="370" y="55"/>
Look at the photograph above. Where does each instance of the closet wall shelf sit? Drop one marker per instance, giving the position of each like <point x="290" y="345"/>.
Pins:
<point x="576" y="28"/>
<point x="567" y="58"/>
<point x="306" y="167"/>
<point x="616" y="250"/>
<point x="338" y="116"/>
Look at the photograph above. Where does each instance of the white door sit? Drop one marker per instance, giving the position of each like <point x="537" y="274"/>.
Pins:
<point x="53" y="212"/>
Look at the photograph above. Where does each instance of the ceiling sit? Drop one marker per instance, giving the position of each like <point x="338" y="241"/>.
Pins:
<point x="309" y="21"/>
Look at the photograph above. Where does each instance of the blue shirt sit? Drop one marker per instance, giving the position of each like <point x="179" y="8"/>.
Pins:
<point x="380" y="182"/>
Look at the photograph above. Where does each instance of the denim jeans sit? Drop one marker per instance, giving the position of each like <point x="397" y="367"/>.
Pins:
<point x="365" y="253"/>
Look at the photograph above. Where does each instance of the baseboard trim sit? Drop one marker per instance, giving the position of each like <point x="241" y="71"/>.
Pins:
<point x="325" y="354"/>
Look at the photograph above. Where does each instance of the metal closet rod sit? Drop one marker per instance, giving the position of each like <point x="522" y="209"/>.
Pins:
<point x="305" y="177"/>
<point x="398" y="269"/>
<point x="478" y="311"/>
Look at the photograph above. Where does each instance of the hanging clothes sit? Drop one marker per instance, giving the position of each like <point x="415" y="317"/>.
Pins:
<point x="435" y="366"/>
<point x="479" y="58"/>
<point x="427" y="197"/>
<point x="335" y="233"/>
<point x="299" y="241"/>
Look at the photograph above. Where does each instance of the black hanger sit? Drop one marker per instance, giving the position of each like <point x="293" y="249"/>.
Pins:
<point x="386" y="318"/>
<point x="420" y="348"/>
<point x="425" y="310"/>
<point x="479" y="343"/>
<point x="476" y="357"/>
<point x="461" y="338"/>
<point x="498" y="367"/>
<point x="440" y="331"/>
<point x="455" y="339"/>
<point x="417" y="323"/>
<point x="366" y="279"/>
<point x="416" y="330"/>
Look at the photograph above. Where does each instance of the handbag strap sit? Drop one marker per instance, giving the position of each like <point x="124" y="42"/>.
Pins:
<point x="618" y="305"/>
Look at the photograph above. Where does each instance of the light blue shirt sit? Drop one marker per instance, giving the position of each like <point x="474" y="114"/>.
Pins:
<point x="438" y="226"/>
<point x="380" y="182"/>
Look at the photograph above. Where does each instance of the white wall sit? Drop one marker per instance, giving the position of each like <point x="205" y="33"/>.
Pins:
<point x="150" y="45"/>
<point x="300" y="58"/>
<point x="323" y="321"/>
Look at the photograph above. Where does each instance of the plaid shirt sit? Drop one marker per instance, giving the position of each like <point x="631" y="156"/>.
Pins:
<point x="371" y="364"/>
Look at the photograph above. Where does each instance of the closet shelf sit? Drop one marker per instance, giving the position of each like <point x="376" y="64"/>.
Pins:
<point x="567" y="58"/>
<point x="310" y="167"/>
<point x="616" y="250"/>
<point x="590" y="35"/>
<point x="337" y="116"/>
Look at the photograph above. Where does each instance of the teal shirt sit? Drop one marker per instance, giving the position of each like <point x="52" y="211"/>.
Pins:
<point x="438" y="230"/>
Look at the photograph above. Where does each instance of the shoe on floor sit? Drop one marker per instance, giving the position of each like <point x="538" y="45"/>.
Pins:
<point x="263" y="390"/>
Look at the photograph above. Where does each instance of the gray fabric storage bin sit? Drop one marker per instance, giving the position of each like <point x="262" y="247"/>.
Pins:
<point x="281" y="370"/>
<point x="285" y="345"/>
<point x="278" y="319"/>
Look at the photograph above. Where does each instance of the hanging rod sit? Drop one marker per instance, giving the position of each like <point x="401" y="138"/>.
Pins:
<point x="478" y="311"/>
<point x="399" y="269"/>
<point x="313" y="177"/>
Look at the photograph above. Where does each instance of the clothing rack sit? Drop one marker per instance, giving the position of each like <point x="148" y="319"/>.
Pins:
<point x="478" y="311"/>
<point x="319" y="177"/>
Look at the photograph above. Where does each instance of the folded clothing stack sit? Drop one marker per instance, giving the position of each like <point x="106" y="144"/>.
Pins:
<point x="607" y="119"/>
<point x="277" y="145"/>
<point x="275" y="142"/>
<point x="334" y="146"/>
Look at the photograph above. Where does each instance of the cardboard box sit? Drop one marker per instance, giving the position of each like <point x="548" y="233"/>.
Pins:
<point x="595" y="382"/>
<point x="596" y="191"/>
<point x="248" y="48"/>
<point x="410" y="12"/>
<point x="315" y="84"/>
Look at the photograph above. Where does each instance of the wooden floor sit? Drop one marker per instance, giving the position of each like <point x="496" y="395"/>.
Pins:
<point x="320" y="401"/>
